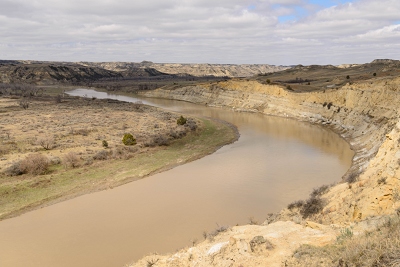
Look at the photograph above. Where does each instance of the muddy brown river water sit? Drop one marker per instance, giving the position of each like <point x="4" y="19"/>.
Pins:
<point x="274" y="162"/>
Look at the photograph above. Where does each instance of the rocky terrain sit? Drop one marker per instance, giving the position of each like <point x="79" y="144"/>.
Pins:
<point x="365" y="112"/>
<point x="45" y="73"/>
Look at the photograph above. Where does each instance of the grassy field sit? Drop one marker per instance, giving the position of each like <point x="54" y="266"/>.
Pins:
<point x="25" y="192"/>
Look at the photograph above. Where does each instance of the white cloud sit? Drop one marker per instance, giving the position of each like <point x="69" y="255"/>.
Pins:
<point x="224" y="31"/>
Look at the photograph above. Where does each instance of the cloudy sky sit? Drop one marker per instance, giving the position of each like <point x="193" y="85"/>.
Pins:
<point x="279" y="32"/>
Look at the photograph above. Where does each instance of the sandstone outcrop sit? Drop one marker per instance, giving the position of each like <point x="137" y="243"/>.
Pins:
<point x="365" y="113"/>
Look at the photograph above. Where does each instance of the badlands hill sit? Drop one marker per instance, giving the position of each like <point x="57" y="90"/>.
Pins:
<point x="45" y="73"/>
<point x="198" y="70"/>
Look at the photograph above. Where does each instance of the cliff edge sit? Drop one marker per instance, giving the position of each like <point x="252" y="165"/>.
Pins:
<point x="365" y="113"/>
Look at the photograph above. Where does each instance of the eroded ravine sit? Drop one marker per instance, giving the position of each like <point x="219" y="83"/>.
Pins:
<point x="274" y="162"/>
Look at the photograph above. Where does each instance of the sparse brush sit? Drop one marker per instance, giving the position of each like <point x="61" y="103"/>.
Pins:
<point x="101" y="155"/>
<point x="319" y="191"/>
<point x="253" y="221"/>
<point x="296" y="204"/>
<point x="382" y="180"/>
<point x="47" y="142"/>
<point x="151" y="262"/>
<point x="219" y="229"/>
<point x="71" y="160"/>
<point x="35" y="164"/>
<point x="311" y="207"/>
<point x="351" y="178"/>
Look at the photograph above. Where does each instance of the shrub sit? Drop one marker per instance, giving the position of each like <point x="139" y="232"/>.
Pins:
<point x="374" y="74"/>
<point x="71" y="160"/>
<point x="160" y="140"/>
<point x="101" y="155"/>
<point x="47" y="142"/>
<point x="181" y="121"/>
<point x="191" y="124"/>
<point x="268" y="81"/>
<point x="24" y="103"/>
<point x="347" y="77"/>
<point x="312" y="206"/>
<point x="296" y="204"/>
<point x="319" y="191"/>
<point x="35" y="164"/>
<point x="14" y="169"/>
<point x="104" y="143"/>
<point x="351" y="178"/>
<point x="125" y="152"/>
<point x="128" y="140"/>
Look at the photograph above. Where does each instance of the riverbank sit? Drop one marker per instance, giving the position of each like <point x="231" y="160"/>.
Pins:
<point x="84" y="154"/>
<point x="366" y="114"/>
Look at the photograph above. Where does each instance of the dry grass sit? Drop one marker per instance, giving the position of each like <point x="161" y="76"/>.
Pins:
<point x="378" y="248"/>
<point x="94" y="121"/>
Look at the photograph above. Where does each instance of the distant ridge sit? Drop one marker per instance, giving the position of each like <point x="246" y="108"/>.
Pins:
<point x="199" y="70"/>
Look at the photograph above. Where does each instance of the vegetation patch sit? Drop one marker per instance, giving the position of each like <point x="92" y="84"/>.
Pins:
<point x="377" y="248"/>
<point x="32" y="175"/>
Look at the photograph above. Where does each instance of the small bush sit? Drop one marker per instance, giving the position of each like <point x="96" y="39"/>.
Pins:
<point x="296" y="204"/>
<point x="374" y="74"/>
<point x="329" y="105"/>
<point x="14" y="169"/>
<point x="319" y="191"/>
<point x="351" y="178"/>
<point x="382" y="181"/>
<point x="289" y="87"/>
<point x="347" y="77"/>
<point x="24" y="103"/>
<point x="35" y="164"/>
<point x="181" y="121"/>
<point x="160" y="140"/>
<point x="219" y="229"/>
<point x="312" y="206"/>
<point x="47" y="142"/>
<point x="71" y="160"/>
<point x="104" y="143"/>
<point x="268" y="81"/>
<point x="101" y="155"/>
<point x="191" y="124"/>
<point x="125" y="152"/>
<point x="128" y="140"/>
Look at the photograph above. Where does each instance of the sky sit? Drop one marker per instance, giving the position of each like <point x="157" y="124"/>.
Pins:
<point x="277" y="32"/>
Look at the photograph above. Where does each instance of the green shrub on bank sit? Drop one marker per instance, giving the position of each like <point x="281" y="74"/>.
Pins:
<point x="128" y="140"/>
<point x="181" y="121"/>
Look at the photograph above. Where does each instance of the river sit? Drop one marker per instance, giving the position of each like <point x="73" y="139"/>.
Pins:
<point x="274" y="162"/>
